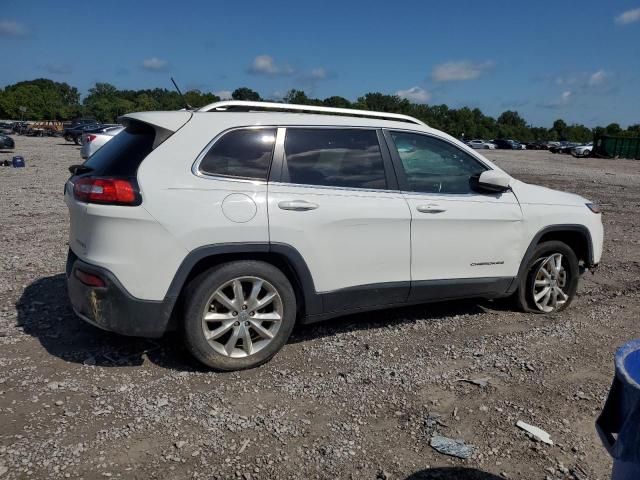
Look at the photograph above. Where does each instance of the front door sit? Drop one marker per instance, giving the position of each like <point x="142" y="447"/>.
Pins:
<point x="463" y="242"/>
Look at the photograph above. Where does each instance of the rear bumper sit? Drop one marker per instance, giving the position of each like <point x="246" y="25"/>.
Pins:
<point x="111" y="307"/>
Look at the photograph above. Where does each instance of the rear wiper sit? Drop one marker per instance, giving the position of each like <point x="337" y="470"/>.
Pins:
<point x="79" y="169"/>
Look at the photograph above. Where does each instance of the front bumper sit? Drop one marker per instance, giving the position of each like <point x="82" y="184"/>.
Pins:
<point x="111" y="307"/>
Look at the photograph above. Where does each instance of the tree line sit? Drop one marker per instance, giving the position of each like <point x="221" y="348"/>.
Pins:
<point x="44" y="99"/>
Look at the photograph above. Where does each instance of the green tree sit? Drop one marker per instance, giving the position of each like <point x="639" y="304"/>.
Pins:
<point x="337" y="102"/>
<point x="560" y="129"/>
<point x="44" y="99"/>
<point x="613" y="129"/>
<point x="244" y="93"/>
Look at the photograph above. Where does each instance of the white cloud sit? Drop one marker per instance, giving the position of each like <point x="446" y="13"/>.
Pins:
<point x="223" y="94"/>
<point x="58" y="68"/>
<point x="154" y="63"/>
<point x="318" y="73"/>
<point x="10" y="28"/>
<point x="456" y="71"/>
<point x="630" y="16"/>
<point x="265" y="65"/>
<point x="598" y="78"/>
<point x="561" y="102"/>
<point x="566" y="80"/>
<point x="415" y="95"/>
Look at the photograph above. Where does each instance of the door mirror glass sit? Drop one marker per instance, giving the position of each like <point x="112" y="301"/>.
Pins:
<point x="491" y="181"/>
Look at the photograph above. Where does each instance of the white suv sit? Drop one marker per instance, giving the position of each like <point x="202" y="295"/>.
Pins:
<point x="236" y="221"/>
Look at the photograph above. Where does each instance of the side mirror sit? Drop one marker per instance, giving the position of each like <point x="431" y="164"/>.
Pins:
<point x="491" y="181"/>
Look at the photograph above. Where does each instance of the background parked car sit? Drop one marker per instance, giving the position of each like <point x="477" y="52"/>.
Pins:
<point x="82" y="121"/>
<point x="506" y="144"/>
<point x="74" y="134"/>
<point x="6" y="142"/>
<point x="537" y="145"/>
<point x="558" y="147"/>
<point x="91" y="142"/>
<point x="564" y="147"/>
<point x="481" y="145"/>
<point x="582" y="150"/>
<point x="6" y="128"/>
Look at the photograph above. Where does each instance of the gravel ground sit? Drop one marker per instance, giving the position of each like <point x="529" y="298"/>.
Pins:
<point x="356" y="397"/>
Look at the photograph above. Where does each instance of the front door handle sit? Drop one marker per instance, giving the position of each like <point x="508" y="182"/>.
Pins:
<point x="431" y="208"/>
<point x="297" y="205"/>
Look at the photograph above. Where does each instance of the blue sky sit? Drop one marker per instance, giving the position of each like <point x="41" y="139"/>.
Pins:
<point x="576" y="60"/>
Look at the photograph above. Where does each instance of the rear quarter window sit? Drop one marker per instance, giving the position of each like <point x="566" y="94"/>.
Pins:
<point x="122" y="155"/>
<point x="243" y="153"/>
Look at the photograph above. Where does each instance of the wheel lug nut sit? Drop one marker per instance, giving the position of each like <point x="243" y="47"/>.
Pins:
<point x="236" y="324"/>
<point x="247" y="323"/>
<point x="244" y="307"/>
<point x="235" y="314"/>
<point x="251" y="314"/>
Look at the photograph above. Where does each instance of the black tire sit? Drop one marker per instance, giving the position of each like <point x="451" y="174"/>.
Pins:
<point x="200" y="290"/>
<point x="76" y="140"/>
<point x="68" y="138"/>
<point x="525" y="296"/>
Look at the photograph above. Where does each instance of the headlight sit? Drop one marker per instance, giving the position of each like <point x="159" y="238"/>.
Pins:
<point x="594" y="207"/>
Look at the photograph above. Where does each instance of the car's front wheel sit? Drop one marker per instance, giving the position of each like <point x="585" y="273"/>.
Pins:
<point x="238" y="315"/>
<point x="550" y="281"/>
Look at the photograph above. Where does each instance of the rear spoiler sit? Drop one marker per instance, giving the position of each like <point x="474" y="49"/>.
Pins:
<point x="164" y="123"/>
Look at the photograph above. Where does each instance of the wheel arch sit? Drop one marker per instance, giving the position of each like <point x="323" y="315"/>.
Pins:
<point x="284" y="257"/>
<point x="577" y="237"/>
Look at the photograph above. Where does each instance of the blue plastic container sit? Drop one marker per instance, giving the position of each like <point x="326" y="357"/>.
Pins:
<point x="17" y="162"/>
<point x="619" y="423"/>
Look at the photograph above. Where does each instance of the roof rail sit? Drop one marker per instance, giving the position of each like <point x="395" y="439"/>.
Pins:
<point x="245" y="106"/>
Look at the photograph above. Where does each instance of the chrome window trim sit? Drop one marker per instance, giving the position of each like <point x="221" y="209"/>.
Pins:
<point x="327" y="187"/>
<point x="278" y="150"/>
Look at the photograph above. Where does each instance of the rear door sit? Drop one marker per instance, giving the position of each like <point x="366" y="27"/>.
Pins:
<point x="462" y="242"/>
<point x="334" y="200"/>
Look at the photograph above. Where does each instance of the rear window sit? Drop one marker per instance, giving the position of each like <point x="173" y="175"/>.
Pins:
<point x="122" y="155"/>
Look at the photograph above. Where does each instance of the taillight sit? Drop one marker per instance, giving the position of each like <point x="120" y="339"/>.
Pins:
<point x="90" y="138"/>
<point x="113" y="191"/>
<point x="89" y="278"/>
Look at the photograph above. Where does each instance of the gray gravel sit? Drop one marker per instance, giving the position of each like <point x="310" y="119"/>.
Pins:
<point x="357" y="397"/>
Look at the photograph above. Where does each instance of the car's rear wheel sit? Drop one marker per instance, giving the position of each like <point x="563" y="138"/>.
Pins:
<point x="550" y="280"/>
<point x="238" y="315"/>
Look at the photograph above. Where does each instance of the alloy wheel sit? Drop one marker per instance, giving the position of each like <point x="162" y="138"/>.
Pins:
<point x="549" y="283"/>
<point x="242" y="316"/>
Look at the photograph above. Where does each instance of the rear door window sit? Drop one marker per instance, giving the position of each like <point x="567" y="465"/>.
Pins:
<point x="341" y="157"/>
<point x="122" y="155"/>
<point x="244" y="153"/>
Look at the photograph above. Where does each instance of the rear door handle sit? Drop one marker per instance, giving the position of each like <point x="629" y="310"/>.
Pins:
<point x="297" y="205"/>
<point x="431" y="208"/>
